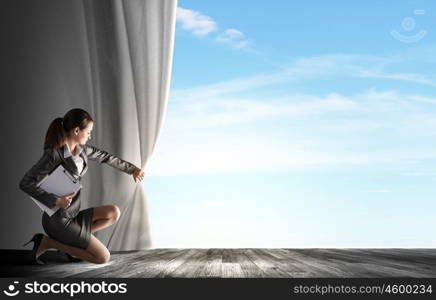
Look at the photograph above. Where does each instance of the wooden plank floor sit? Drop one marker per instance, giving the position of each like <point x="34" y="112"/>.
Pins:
<point x="230" y="263"/>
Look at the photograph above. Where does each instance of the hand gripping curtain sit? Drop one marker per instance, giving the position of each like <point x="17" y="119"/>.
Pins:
<point x="130" y="47"/>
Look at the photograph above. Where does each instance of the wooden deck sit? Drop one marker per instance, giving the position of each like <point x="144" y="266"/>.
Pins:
<point x="230" y="263"/>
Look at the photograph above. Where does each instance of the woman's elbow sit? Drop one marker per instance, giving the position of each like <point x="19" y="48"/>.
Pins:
<point x="23" y="184"/>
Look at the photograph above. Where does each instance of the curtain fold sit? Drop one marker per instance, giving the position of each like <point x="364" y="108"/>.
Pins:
<point x="130" y="48"/>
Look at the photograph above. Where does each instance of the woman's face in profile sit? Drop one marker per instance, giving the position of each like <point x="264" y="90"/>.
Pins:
<point x="85" y="134"/>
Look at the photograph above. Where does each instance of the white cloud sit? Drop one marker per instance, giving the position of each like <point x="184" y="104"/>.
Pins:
<point x="198" y="24"/>
<point x="233" y="38"/>
<point x="223" y="156"/>
<point x="417" y="78"/>
<point x="324" y="66"/>
<point x="225" y="112"/>
<point x="212" y="112"/>
<point x="316" y="132"/>
<point x="215" y="128"/>
<point x="202" y="25"/>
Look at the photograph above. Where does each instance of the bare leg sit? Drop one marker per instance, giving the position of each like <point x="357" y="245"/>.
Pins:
<point x="96" y="252"/>
<point x="104" y="216"/>
<point x="101" y="223"/>
<point x="48" y="243"/>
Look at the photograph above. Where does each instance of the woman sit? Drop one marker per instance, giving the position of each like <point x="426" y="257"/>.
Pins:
<point x="69" y="228"/>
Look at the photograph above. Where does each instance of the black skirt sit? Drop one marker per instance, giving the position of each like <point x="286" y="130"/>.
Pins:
<point x="70" y="226"/>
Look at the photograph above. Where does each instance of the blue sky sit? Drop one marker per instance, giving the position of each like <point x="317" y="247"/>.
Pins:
<point x="298" y="124"/>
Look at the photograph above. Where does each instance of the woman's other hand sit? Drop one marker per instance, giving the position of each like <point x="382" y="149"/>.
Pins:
<point x="138" y="175"/>
<point x="65" y="201"/>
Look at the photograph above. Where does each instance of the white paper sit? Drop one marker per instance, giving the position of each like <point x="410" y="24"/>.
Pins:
<point x="60" y="183"/>
<point x="48" y="210"/>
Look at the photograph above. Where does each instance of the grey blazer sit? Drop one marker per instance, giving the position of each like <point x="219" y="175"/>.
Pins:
<point x="51" y="158"/>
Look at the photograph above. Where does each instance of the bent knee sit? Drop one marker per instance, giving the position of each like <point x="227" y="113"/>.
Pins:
<point x="103" y="258"/>
<point x="115" y="212"/>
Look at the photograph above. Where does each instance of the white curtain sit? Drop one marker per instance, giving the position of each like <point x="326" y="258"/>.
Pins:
<point x="129" y="50"/>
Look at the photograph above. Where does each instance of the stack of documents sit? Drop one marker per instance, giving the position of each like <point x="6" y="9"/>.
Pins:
<point x="60" y="183"/>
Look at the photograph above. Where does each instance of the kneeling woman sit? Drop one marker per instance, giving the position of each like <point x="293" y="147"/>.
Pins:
<point x="69" y="228"/>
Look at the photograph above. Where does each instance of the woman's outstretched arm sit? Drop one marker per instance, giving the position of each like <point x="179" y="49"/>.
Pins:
<point x="102" y="156"/>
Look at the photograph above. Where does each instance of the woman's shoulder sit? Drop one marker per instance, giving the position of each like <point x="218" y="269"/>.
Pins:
<point x="53" y="153"/>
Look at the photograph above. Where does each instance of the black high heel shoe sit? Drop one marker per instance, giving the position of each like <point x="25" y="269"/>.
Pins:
<point x="36" y="239"/>
<point x="69" y="257"/>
